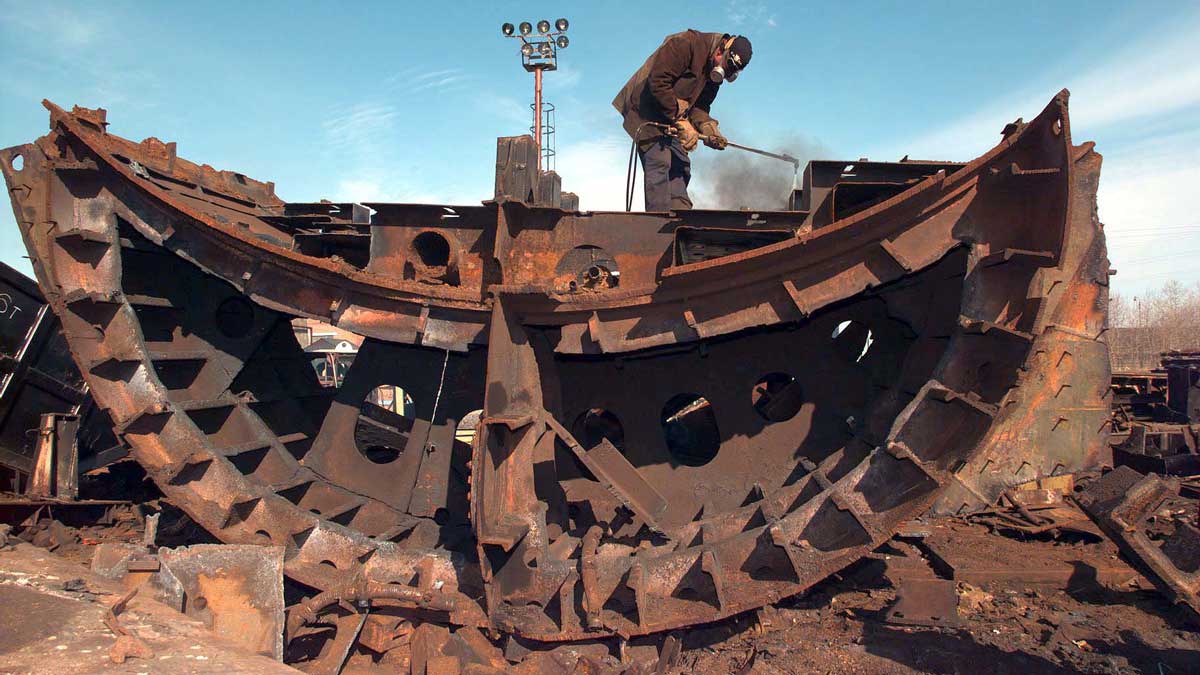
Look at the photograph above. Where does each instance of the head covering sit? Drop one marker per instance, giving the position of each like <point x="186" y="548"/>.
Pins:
<point x="740" y="52"/>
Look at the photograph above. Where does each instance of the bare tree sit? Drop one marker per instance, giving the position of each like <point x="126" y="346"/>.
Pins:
<point x="1144" y="326"/>
<point x="1119" y="313"/>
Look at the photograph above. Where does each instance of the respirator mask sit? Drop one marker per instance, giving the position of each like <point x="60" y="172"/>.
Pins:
<point x="727" y="70"/>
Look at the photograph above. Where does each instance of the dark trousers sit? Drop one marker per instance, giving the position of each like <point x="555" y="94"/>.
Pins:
<point x="667" y="170"/>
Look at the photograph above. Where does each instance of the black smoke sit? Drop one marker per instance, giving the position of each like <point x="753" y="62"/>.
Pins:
<point x="736" y="179"/>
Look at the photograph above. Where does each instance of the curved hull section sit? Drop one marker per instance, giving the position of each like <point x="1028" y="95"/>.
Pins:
<point x="674" y="427"/>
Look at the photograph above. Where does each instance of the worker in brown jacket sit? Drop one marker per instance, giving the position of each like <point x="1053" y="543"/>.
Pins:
<point x="666" y="108"/>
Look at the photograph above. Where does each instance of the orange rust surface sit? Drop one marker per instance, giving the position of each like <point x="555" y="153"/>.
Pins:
<point x="234" y="616"/>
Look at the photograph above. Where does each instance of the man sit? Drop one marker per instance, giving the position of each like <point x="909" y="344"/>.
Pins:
<point x="673" y="90"/>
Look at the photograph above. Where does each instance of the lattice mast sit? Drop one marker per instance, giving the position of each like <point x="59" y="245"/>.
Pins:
<point x="539" y="53"/>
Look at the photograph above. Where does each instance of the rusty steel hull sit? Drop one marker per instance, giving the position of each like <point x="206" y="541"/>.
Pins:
<point x="684" y="415"/>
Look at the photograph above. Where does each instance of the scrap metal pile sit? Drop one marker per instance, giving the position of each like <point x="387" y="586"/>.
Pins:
<point x="1156" y="416"/>
<point x="40" y="379"/>
<point x="685" y="415"/>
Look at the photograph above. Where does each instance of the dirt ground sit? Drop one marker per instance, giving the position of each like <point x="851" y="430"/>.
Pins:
<point x="1062" y="602"/>
<point x="1085" y="623"/>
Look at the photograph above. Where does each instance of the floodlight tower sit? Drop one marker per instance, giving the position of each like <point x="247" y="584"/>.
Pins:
<point x="540" y="53"/>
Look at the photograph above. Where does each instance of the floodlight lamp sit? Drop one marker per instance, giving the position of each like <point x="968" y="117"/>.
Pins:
<point x="507" y="29"/>
<point x="561" y="24"/>
<point x="546" y="50"/>
<point x="543" y="26"/>
<point x="526" y="28"/>
<point x="527" y="49"/>
<point x="562" y="42"/>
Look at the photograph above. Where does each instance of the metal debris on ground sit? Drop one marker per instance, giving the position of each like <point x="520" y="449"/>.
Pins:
<point x="1033" y="510"/>
<point x="237" y="591"/>
<point x="128" y="644"/>
<point x="55" y="617"/>
<point x="1127" y="506"/>
<point x="1156" y="417"/>
<point x="925" y="602"/>
<point x="968" y="555"/>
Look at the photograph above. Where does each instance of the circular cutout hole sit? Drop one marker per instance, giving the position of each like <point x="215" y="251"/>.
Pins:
<point x="587" y="267"/>
<point x="17" y="162"/>
<point x="328" y="563"/>
<point x="264" y="535"/>
<point x="852" y="340"/>
<point x="597" y="424"/>
<point x="777" y="397"/>
<point x="384" y="420"/>
<point x="690" y="429"/>
<point x="235" y="317"/>
<point x="465" y="431"/>
<point x="381" y="454"/>
<point x="432" y="249"/>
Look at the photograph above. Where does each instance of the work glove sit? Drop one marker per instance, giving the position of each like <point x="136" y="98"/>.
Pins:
<point x="712" y="135"/>
<point x="687" y="135"/>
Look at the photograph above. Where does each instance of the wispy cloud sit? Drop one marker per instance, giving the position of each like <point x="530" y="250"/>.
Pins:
<point x="427" y="75"/>
<point x="389" y="186"/>
<point x="1153" y="233"/>
<point x="359" y="130"/>
<point x="516" y="114"/>
<point x="1142" y="105"/>
<point x="68" y="27"/>
<point x="443" y="85"/>
<point x="1152" y="77"/>
<point x="566" y="77"/>
<point x="357" y="142"/>
<point x="507" y="109"/>
<point x="415" y="79"/>
<point x="743" y="14"/>
<point x="49" y="44"/>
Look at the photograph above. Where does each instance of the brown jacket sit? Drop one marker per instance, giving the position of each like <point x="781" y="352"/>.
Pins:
<point x="678" y="69"/>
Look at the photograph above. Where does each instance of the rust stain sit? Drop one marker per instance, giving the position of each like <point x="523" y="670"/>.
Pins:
<point x="902" y="320"/>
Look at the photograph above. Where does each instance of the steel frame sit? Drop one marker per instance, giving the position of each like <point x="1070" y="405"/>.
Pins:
<point x="933" y="336"/>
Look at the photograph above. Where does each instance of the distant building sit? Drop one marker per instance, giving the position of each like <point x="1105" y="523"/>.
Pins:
<point x="333" y="351"/>
<point x="309" y="330"/>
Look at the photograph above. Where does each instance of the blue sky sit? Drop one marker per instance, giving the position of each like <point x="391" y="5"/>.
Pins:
<point x="398" y="102"/>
